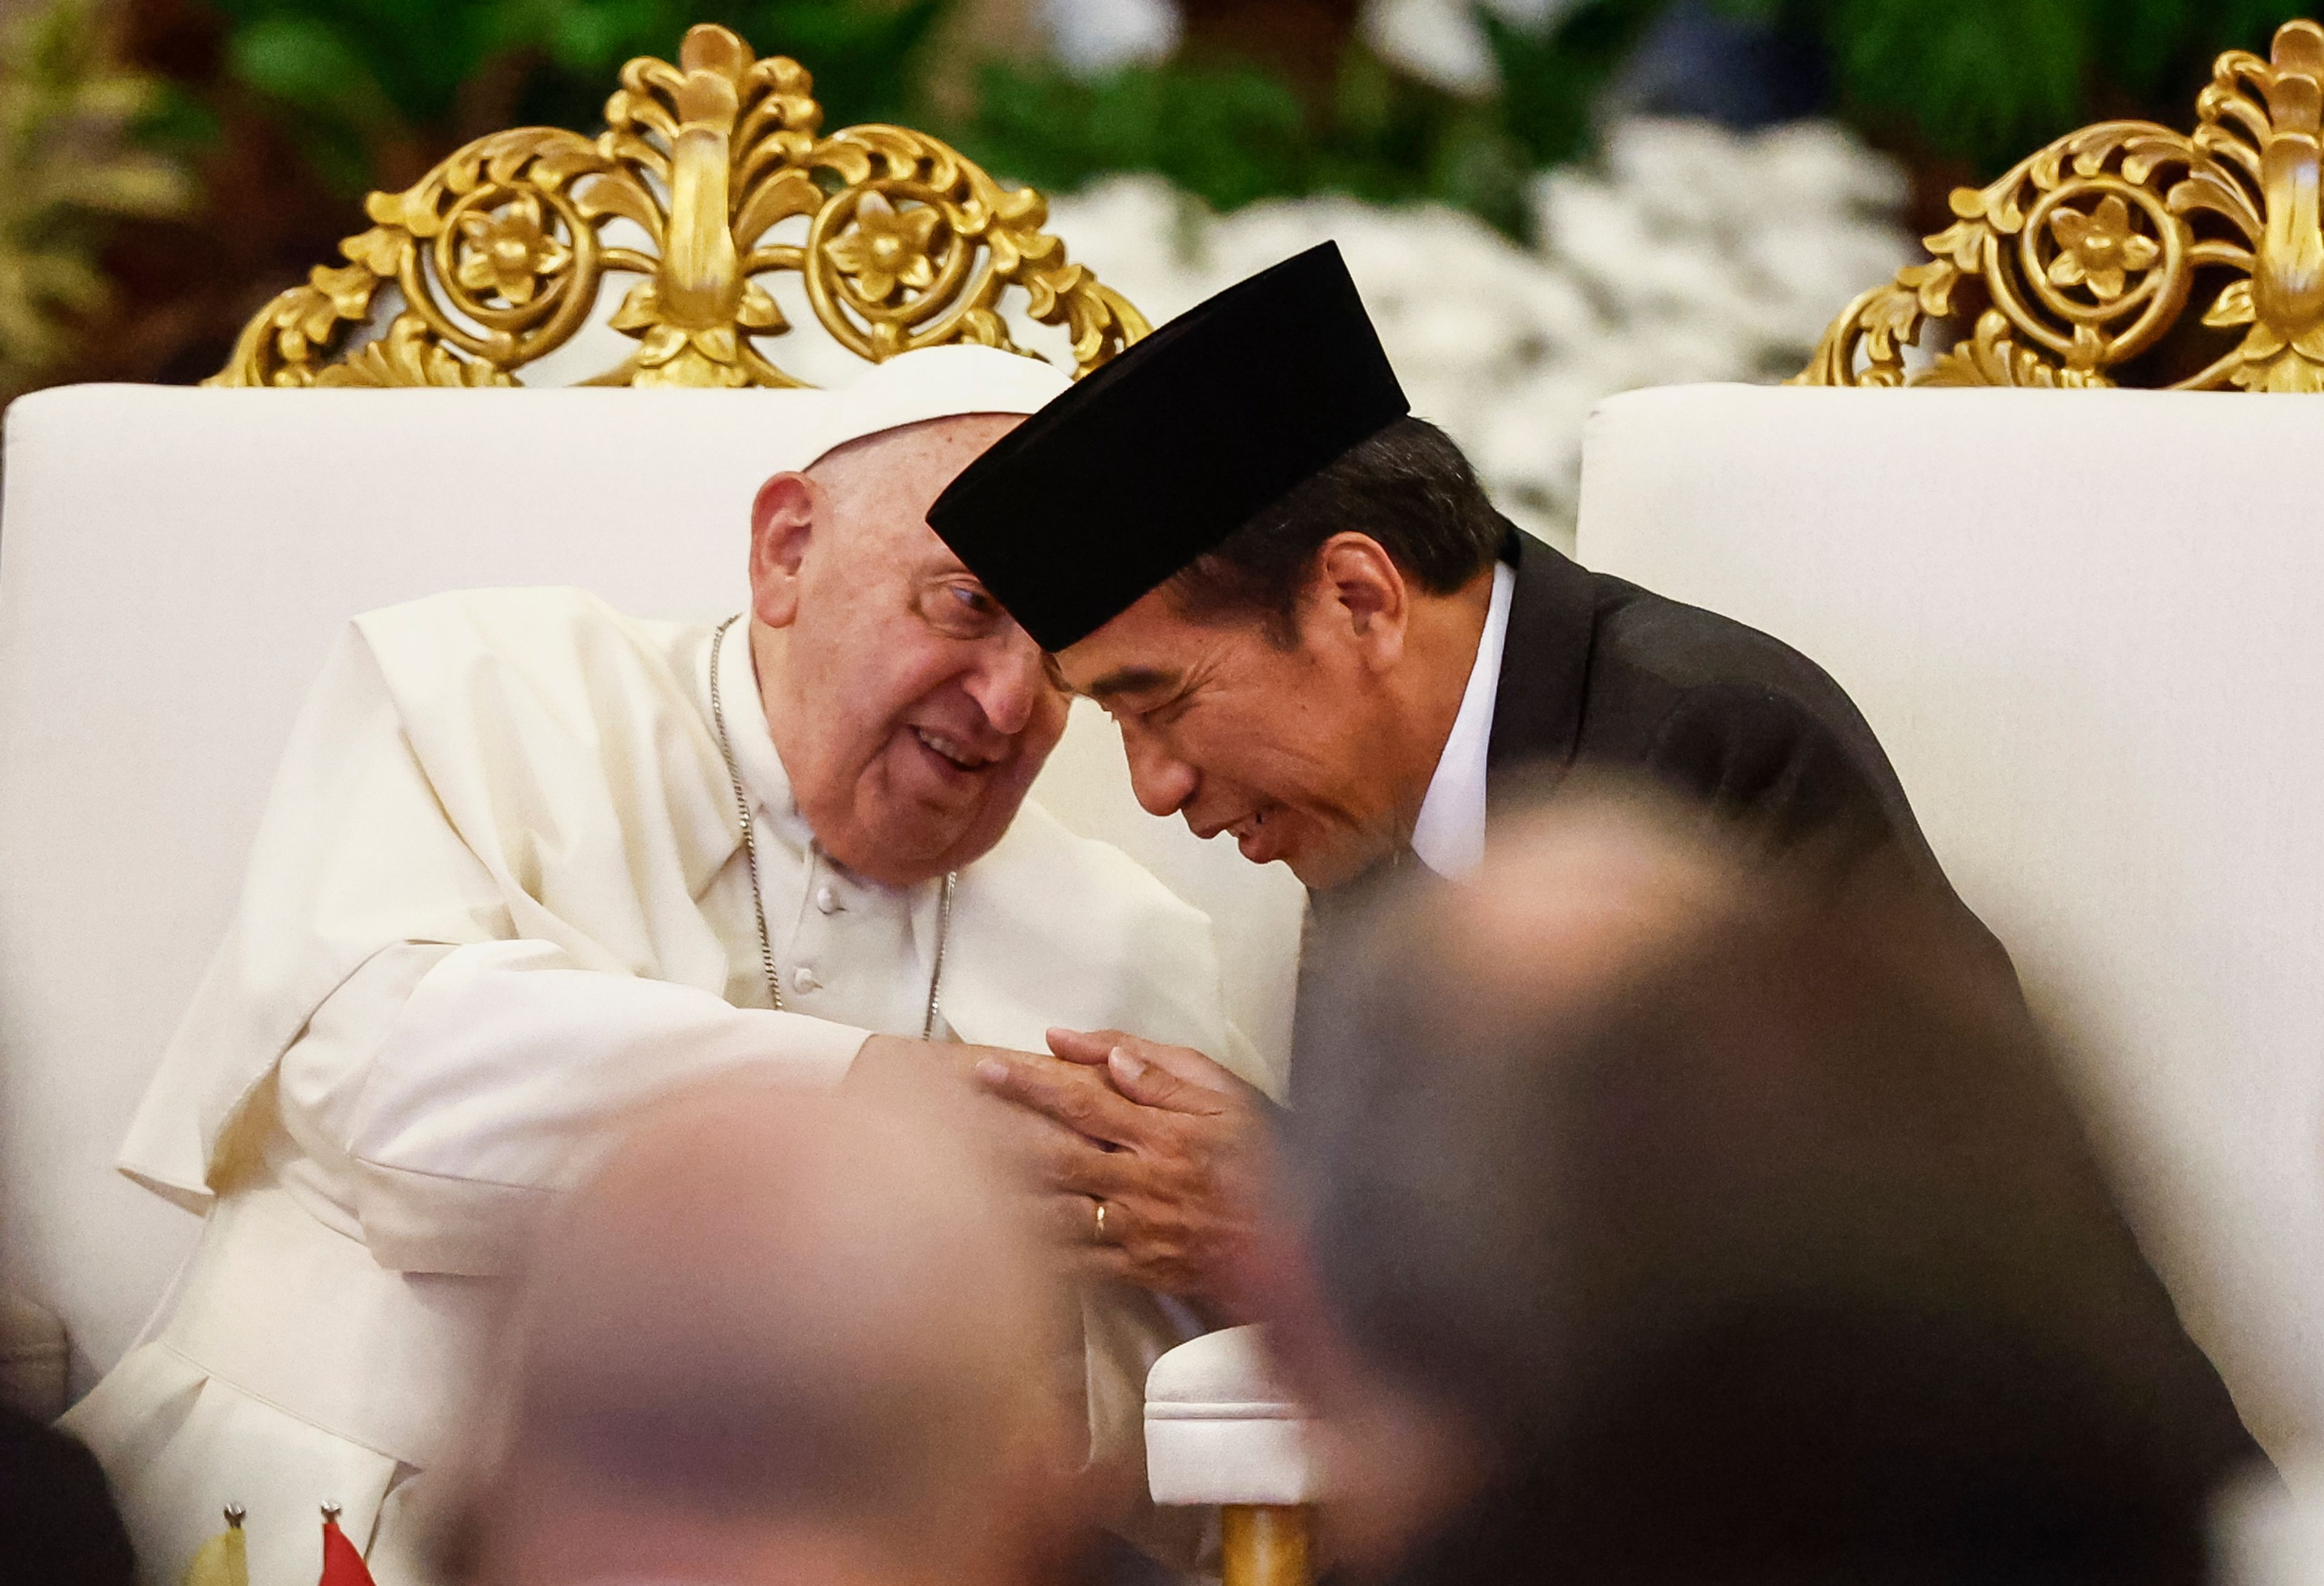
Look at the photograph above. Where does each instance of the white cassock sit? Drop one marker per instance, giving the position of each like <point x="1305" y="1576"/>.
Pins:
<point x="499" y="895"/>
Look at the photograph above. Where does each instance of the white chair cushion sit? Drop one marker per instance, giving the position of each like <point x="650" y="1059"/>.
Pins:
<point x="176" y="563"/>
<point x="2089" y="629"/>
<point x="1221" y="1430"/>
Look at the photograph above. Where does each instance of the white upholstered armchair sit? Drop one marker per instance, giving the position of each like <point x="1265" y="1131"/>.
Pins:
<point x="177" y="562"/>
<point x="2083" y="621"/>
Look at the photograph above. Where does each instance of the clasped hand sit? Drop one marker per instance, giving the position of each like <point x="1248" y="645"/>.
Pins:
<point x="1172" y="1143"/>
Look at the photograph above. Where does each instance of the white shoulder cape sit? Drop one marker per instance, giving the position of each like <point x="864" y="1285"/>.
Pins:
<point x="531" y="764"/>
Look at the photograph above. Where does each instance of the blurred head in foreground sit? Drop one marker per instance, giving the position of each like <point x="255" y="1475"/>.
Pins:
<point x="778" y="1338"/>
<point x="1674" y="1221"/>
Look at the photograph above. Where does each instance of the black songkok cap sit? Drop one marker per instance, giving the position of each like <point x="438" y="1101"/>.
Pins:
<point x="1160" y="454"/>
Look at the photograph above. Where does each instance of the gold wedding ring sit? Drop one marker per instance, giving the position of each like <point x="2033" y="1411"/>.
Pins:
<point x="1101" y="1221"/>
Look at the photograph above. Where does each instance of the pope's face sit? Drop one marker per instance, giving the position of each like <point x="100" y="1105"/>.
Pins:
<point x="911" y="712"/>
<point x="1275" y="738"/>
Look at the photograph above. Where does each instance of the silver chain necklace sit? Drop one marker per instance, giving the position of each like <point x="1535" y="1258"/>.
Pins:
<point x="751" y="858"/>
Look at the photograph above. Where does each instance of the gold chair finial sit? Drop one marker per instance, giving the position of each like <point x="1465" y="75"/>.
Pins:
<point x="498" y="253"/>
<point x="2083" y="256"/>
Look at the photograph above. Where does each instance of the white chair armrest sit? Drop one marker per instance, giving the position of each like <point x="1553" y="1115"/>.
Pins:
<point x="1220" y="1429"/>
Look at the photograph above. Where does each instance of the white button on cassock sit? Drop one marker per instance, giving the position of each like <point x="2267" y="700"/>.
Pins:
<point x="827" y="900"/>
<point x="807" y="980"/>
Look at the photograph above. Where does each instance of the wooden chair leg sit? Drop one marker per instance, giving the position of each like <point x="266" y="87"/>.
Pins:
<point x="1266" y="1544"/>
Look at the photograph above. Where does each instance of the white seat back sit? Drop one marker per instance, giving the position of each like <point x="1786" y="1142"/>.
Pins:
<point x="172" y="565"/>
<point x="2089" y="629"/>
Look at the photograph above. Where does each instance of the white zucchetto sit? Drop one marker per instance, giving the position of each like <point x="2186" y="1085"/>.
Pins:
<point x="935" y="382"/>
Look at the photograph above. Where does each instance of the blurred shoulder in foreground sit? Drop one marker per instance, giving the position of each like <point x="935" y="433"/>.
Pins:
<point x="1680" y="1215"/>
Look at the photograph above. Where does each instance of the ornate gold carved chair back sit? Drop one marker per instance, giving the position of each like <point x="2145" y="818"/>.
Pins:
<point x="2079" y="267"/>
<point x="500" y="252"/>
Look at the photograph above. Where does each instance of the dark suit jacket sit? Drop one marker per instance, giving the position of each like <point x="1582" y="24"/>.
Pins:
<point x="1598" y="672"/>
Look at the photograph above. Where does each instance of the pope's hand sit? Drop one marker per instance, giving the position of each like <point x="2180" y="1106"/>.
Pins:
<point x="1172" y="1144"/>
<point x="942" y="1074"/>
<point x="899" y="1066"/>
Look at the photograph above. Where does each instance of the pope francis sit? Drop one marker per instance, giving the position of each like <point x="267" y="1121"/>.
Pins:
<point x="529" y="861"/>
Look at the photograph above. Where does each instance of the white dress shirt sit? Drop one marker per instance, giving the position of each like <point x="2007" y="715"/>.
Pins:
<point x="1450" y="836"/>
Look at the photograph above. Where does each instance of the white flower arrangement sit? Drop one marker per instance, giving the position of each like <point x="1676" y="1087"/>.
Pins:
<point x="1686" y="252"/>
<point x="1441" y="42"/>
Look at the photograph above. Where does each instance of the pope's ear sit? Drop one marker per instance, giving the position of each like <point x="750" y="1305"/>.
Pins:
<point x="1364" y="595"/>
<point x="782" y="522"/>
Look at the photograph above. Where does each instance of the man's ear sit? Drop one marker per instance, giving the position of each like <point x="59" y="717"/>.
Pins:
<point x="782" y="522"/>
<point x="1364" y="597"/>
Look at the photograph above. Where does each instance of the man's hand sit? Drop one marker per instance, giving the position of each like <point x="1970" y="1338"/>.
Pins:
<point x="1171" y="1143"/>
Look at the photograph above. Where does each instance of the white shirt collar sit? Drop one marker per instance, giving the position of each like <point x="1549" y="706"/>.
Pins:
<point x="1450" y="836"/>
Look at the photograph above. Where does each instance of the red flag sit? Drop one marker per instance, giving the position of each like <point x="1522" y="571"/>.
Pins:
<point x="342" y="1564"/>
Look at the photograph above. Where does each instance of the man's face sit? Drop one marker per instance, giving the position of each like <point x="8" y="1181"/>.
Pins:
<point x="911" y="712"/>
<point x="1275" y="737"/>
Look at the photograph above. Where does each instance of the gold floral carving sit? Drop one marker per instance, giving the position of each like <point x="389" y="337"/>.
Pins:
<point x="499" y="254"/>
<point x="2084" y="257"/>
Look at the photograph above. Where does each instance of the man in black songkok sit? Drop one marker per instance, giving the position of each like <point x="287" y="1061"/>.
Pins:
<point x="1317" y="634"/>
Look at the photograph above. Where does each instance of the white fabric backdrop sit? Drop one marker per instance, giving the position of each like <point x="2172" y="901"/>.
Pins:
<point x="2086" y="627"/>
<point x="172" y="564"/>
